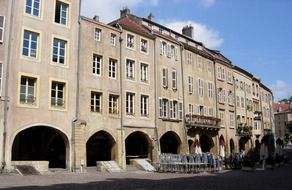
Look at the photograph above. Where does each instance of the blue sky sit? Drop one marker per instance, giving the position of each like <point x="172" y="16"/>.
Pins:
<point x="254" y="34"/>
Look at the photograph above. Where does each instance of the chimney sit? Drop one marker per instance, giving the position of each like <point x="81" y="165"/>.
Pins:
<point x="96" y="18"/>
<point x="188" y="30"/>
<point x="125" y="11"/>
<point x="150" y="17"/>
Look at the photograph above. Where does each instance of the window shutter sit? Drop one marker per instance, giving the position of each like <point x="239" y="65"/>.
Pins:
<point x="180" y="111"/>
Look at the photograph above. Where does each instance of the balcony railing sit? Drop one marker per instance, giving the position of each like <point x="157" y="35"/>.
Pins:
<point x="243" y="130"/>
<point x="202" y="121"/>
<point x="257" y="115"/>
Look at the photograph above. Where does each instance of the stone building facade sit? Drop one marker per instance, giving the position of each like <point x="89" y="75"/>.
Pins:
<point x="75" y="90"/>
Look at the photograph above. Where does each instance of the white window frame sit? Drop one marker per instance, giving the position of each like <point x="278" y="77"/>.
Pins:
<point x="112" y="69"/>
<point x="201" y="87"/>
<point x="164" y="76"/>
<point x="144" y="72"/>
<point x="29" y="99"/>
<point x="180" y="111"/>
<point x="222" y="117"/>
<point x="113" y="104"/>
<point x="54" y="101"/>
<point x="143" y="46"/>
<point x="130" y="69"/>
<point x="174" y="79"/>
<point x="95" y="102"/>
<point x="130" y="41"/>
<point x="30" y="41"/>
<point x="96" y="64"/>
<point x="130" y="103"/>
<point x="144" y="106"/>
<point x="2" y="29"/>
<point x="33" y="7"/>
<point x="59" y="50"/>
<point x="173" y="109"/>
<point x="163" y="48"/>
<point x="66" y="18"/>
<point x="97" y="34"/>
<point x="232" y="120"/>
<point x="191" y="84"/>
<point x="210" y="89"/>
<point x="113" y="39"/>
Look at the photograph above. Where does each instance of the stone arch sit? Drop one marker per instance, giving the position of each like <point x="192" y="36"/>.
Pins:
<point x="232" y="146"/>
<point x="170" y="142"/>
<point x="206" y="142"/>
<point x="41" y="143"/>
<point x="101" y="146"/>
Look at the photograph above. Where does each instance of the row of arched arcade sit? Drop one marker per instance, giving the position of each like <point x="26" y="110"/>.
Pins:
<point x="44" y="143"/>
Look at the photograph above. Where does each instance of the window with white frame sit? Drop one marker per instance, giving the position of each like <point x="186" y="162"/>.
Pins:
<point x="257" y="125"/>
<point x="112" y="69"/>
<point x="191" y="110"/>
<point x="32" y="7"/>
<point x="27" y="90"/>
<point x="173" y="109"/>
<point x="242" y="102"/>
<point x="222" y="117"/>
<point x="174" y="80"/>
<point x="189" y="58"/>
<point x="144" y="105"/>
<point x="219" y="72"/>
<point x="96" y="64"/>
<point x="230" y="98"/>
<point x="1" y="78"/>
<point x="211" y="112"/>
<point x="224" y="95"/>
<point x="237" y="101"/>
<point x="113" y="104"/>
<point x="223" y="74"/>
<point x="96" y="102"/>
<point x="232" y="119"/>
<point x="201" y="87"/>
<point x="210" y="89"/>
<point x="130" y="41"/>
<point x="30" y="44"/>
<point x="180" y="110"/>
<point x="165" y="77"/>
<point x="97" y="34"/>
<point x="191" y="84"/>
<point x="59" y="51"/>
<point x="144" y="46"/>
<point x="168" y="50"/>
<point x="220" y="98"/>
<point x="113" y="39"/>
<point x="172" y="51"/>
<point x="130" y="69"/>
<point x="162" y="48"/>
<point x="144" y="72"/>
<point x="163" y="108"/>
<point x="62" y="13"/>
<point x="58" y="94"/>
<point x="201" y="110"/>
<point x="130" y="103"/>
<point x="2" y="19"/>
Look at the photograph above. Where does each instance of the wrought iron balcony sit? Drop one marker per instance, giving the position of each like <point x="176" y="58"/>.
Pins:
<point x="202" y="121"/>
<point x="243" y="130"/>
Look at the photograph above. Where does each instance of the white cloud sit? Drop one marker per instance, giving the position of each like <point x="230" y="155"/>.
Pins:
<point x="281" y="90"/>
<point x="109" y="10"/>
<point x="207" y="3"/>
<point x="202" y="33"/>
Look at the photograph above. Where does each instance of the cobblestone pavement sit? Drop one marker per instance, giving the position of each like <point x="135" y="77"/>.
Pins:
<point x="276" y="179"/>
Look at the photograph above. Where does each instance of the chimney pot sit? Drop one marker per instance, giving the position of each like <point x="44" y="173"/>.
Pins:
<point x="125" y="11"/>
<point x="188" y="30"/>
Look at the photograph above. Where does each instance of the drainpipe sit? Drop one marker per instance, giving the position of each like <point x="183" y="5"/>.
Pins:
<point x="121" y="91"/>
<point x="6" y="95"/>
<point x="235" y="106"/>
<point x="216" y="100"/>
<point x="183" y="101"/>
<point x="155" y="100"/>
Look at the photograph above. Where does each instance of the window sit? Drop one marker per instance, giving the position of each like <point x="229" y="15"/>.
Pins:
<point x="112" y="68"/>
<point x="210" y="66"/>
<point x="174" y="80"/>
<point x="32" y="7"/>
<point x="168" y="49"/>
<point x="1" y="28"/>
<point x="230" y="98"/>
<point x="144" y="105"/>
<point x="191" y="109"/>
<point x="189" y="58"/>
<point x="211" y="112"/>
<point x="163" y="108"/>
<point x="222" y="117"/>
<point x="130" y="41"/>
<point x="30" y="44"/>
<point x="58" y="94"/>
<point x="165" y="77"/>
<point x="144" y="72"/>
<point x="224" y="96"/>
<point x="191" y="85"/>
<point x="180" y="111"/>
<point x="130" y="69"/>
<point x="162" y="48"/>
<point x="257" y="125"/>
<point x="173" y="109"/>
<point x="144" y="46"/>
<point x="232" y="120"/>
<point x="27" y="90"/>
<point x="113" y="104"/>
<point x="1" y="78"/>
<point x="96" y="64"/>
<point x="223" y="74"/>
<point x="210" y="90"/>
<point x="95" y="103"/>
<point x="237" y="101"/>
<point x="130" y="103"/>
<point x="113" y="39"/>
<point x="220" y="98"/>
<point x="59" y="51"/>
<point x="229" y="76"/>
<point x="172" y="51"/>
<point x="200" y="62"/>
<point x="242" y="102"/>
<point x="201" y="87"/>
<point x="97" y="34"/>
<point x="61" y="13"/>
